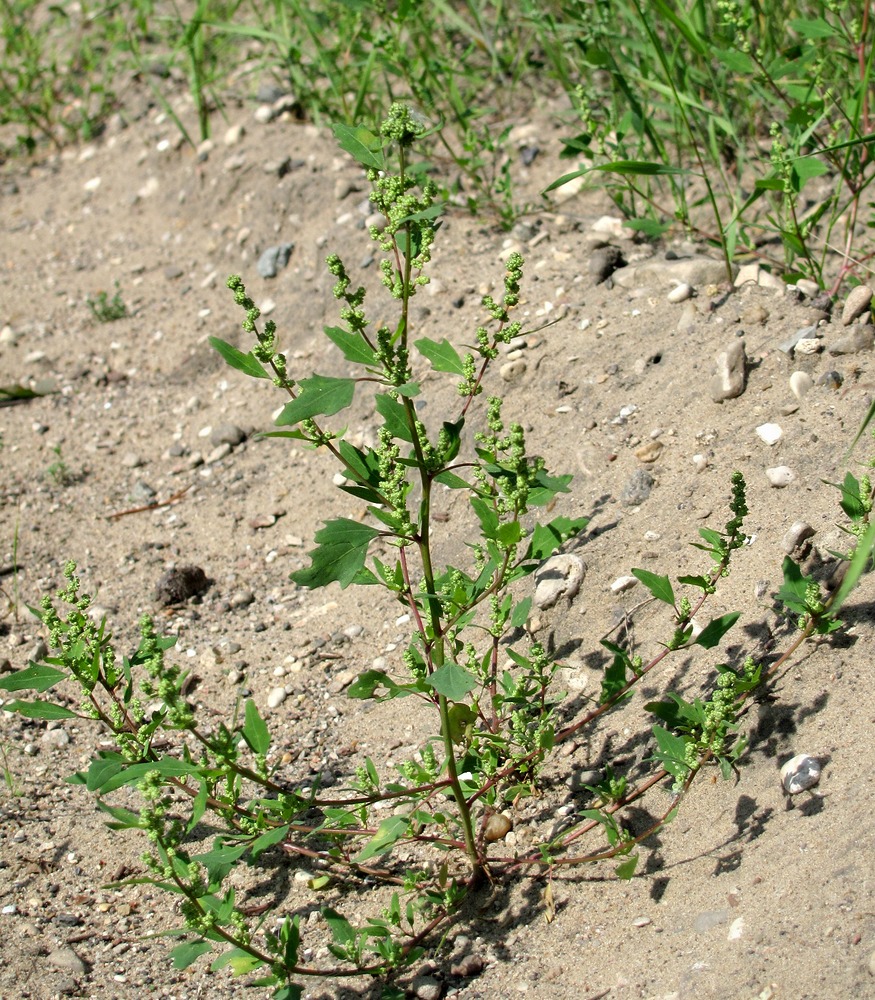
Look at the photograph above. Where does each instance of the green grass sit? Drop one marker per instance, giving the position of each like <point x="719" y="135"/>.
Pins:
<point x="746" y="124"/>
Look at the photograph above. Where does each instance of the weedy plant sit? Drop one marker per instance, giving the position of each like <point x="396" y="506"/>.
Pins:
<point x="105" y="309"/>
<point x="433" y="830"/>
<point x="722" y="117"/>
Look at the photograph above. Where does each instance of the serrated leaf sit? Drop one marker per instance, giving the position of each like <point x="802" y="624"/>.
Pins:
<point x="392" y="829"/>
<point x="353" y="345"/>
<point x="659" y="586"/>
<point x="442" y="355"/>
<point x="319" y="395"/>
<point x="39" y="710"/>
<point x="671" y="752"/>
<point x="714" y="631"/>
<point x="452" y="681"/>
<point x="361" y="144"/>
<point x="35" y="677"/>
<point x="246" y="363"/>
<point x="343" y="548"/>
<point x="184" y="955"/>
<point x="255" y="731"/>
<point x="702" y="582"/>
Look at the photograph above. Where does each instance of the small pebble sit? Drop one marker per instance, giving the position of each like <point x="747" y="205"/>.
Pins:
<point x="623" y="583"/>
<point x="637" y="489"/>
<point x="780" y="476"/>
<point x="770" y="433"/>
<point x="800" y="773"/>
<point x="276" y="697"/>
<point x="729" y="378"/>
<point x="559" y="576"/>
<point x="680" y="293"/>
<point x="641" y="921"/>
<point x="858" y="301"/>
<point x="800" y="384"/>
<point x="798" y="533"/>
<point x="513" y="371"/>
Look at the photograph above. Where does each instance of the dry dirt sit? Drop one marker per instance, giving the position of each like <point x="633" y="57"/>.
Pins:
<point x="747" y="894"/>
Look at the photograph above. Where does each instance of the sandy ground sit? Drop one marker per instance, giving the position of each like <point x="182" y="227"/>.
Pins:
<point x="748" y="894"/>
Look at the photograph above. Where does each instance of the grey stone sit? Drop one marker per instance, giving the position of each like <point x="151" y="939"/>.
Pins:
<point x="858" y="301"/>
<point x="861" y="338"/>
<point x="796" y="535"/>
<point x="178" y="585"/>
<point x="274" y="259"/>
<point x="513" y="371"/>
<point x="780" y="476"/>
<point x="637" y="489"/>
<point x="696" y="271"/>
<point x="729" y="378"/>
<point x="559" y="576"/>
<point x="66" y="960"/>
<point x="227" y="434"/>
<point x="427" y="988"/>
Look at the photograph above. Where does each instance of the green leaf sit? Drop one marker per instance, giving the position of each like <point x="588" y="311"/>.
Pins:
<point x="816" y="28"/>
<point x="626" y="869"/>
<point x="246" y="363"/>
<point x="268" y="839"/>
<point x="371" y="682"/>
<point x="659" y="586"/>
<point x="714" y="631"/>
<point x="255" y="731"/>
<point x="106" y="774"/>
<point x="634" y="168"/>
<point x="124" y="818"/>
<point x="520" y="614"/>
<point x="450" y="479"/>
<point x="39" y="710"/>
<point x="394" y="415"/>
<point x="341" y="929"/>
<point x="361" y="144"/>
<point x="442" y="355"/>
<point x="461" y="716"/>
<point x="452" y="681"/>
<point x="487" y="516"/>
<point x="392" y="829"/>
<point x="671" y="753"/>
<point x="792" y="593"/>
<point x="35" y="677"/>
<point x="320" y="395"/>
<point x="859" y="562"/>
<point x="343" y="548"/>
<point x="241" y="962"/>
<point x="353" y="345"/>
<point x="702" y="582"/>
<point x="220" y="860"/>
<point x="184" y="955"/>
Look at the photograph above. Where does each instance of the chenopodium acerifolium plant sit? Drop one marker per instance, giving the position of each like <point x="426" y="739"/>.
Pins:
<point x="495" y="724"/>
<point x="488" y="719"/>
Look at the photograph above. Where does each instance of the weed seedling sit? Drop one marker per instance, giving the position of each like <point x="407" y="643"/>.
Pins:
<point x="105" y="309"/>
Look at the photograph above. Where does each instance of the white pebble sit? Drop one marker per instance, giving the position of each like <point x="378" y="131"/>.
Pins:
<point x="736" y="929"/>
<point x="799" y="773"/>
<point x="780" y="476"/>
<point x="800" y="383"/>
<point x="276" y="697"/>
<point x="770" y="433"/>
<point x="680" y="293"/>
<point x="623" y="583"/>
